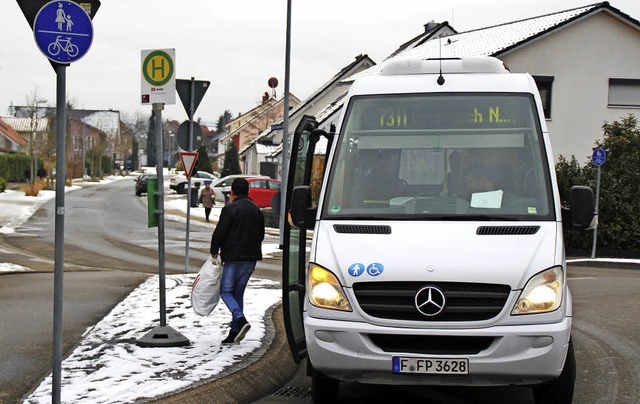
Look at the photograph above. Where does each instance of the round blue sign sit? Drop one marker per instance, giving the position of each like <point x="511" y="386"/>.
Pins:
<point x="598" y="157"/>
<point x="63" y="31"/>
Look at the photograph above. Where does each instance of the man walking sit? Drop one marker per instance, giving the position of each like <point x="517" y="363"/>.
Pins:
<point x="238" y="236"/>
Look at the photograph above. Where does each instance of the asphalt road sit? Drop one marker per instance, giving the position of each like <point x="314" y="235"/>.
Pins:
<point x="106" y="228"/>
<point x="109" y="250"/>
<point x="606" y="335"/>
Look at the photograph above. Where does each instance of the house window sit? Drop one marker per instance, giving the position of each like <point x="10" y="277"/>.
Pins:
<point x="624" y="93"/>
<point x="545" y="83"/>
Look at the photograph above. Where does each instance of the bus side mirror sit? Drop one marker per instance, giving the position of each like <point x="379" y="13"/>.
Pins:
<point x="300" y="206"/>
<point x="582" y="214"/>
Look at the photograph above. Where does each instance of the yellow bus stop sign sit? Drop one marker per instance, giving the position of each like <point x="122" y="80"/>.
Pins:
<point x="158" y="76"/>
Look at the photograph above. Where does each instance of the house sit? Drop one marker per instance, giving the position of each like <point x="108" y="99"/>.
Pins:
<point x="17" y="135"/>
<point x="247" y="127"/>
<point x="262" y="154"/>
<point x="89" y="131"/>
<point x="584" y="61"/>
<point x="10" y="140"/>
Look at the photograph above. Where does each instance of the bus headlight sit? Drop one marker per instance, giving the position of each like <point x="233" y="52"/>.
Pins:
<point x="542" y="294"/>
<point x="324" y="289"/>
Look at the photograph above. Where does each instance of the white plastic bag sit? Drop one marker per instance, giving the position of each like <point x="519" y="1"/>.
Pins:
<point x="205" y="292"/>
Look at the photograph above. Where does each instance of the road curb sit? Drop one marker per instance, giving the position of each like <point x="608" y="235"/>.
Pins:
<point x="246" y="384"/>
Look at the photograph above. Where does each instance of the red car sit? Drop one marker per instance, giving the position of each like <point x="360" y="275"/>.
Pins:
<point x="261" y="190"/>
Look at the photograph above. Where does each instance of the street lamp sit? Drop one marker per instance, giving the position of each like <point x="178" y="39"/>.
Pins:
<point x="34" y="146"/>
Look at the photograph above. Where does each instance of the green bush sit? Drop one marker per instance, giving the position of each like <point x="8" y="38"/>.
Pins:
<point x="3" y="184"/>
<point x="619" y="205"/>
<point x="13" y="166"/>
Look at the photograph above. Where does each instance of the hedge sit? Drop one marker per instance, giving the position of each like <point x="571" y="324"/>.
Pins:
<point x="13" y="166"/>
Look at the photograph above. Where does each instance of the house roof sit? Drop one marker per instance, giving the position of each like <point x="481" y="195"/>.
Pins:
<point x="344" y="72"/>
<point x="502" y="39"/>
<point x="10" y="133"/>
<point x="321" y="117"/>
<point x="27" y="124"/>
<point x="107" y="121"/>
<point x="360" y="59"/>
<point x="255" y="118"/>
<point x="431" y="30"/>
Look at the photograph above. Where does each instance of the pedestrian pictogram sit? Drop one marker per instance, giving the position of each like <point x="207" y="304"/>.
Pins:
<point x="63" y="31"/>
<point x="158" y="76"/>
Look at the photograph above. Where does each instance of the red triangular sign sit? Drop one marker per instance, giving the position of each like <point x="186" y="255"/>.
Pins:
<point x="188" y="160"/>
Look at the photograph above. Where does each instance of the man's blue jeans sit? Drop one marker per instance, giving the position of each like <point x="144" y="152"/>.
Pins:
<point x="235" y="276"/>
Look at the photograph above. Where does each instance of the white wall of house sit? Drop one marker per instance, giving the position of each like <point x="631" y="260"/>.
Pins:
<point x="582" y="58"/>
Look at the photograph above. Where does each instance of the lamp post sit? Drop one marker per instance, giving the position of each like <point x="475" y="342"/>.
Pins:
<point x="34" y="146"/>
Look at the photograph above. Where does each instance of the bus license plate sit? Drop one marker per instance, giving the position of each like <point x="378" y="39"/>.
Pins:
<point x="437" y="366"/>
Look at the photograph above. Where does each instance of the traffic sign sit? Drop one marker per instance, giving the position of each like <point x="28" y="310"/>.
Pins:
<point x="598" y="157"/>
<point x="183" y="87"/>
<point x="183" y="136"/>
<point x="158" y="84"/>
<point x="188" y="160"/>
<point x="63" y="31"/>
<point x="31" y="7"/>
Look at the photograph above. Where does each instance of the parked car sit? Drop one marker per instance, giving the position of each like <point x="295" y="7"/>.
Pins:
<point x="141" y="183"/>
<point x="178" y="181"/>
<point x="223" y="185"/>
<point x="261" y="190"/>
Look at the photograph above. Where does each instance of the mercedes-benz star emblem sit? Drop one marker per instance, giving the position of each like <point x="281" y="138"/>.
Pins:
<point x="430" y="301"/>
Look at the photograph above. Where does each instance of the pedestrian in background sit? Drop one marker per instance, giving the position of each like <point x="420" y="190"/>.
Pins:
<point x="238" y="238"/>
<point x="206" y="199"/>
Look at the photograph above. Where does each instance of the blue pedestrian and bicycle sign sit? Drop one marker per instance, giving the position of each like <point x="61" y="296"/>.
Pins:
<point x="63" y="31"/>
<point x="598" y="157"/>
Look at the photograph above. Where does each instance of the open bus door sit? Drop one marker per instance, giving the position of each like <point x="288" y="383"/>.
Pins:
<point x="300" y="217"/>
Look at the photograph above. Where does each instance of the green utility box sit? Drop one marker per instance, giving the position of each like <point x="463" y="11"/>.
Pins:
<point x="152" y="202"/>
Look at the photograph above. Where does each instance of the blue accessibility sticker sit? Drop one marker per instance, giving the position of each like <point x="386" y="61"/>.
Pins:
<point x="375" y="269"/>
<point x="356" y="269"/>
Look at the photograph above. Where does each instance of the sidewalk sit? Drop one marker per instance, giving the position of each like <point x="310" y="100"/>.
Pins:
<point x="107" y="366"/>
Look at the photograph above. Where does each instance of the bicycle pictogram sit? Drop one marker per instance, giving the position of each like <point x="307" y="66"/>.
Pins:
<point x="64" y="45"/>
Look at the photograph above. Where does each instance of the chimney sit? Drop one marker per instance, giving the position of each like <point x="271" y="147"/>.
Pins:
<point x="430" y="26"/>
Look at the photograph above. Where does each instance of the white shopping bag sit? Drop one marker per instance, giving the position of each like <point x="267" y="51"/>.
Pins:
<point x="205" y="292"/>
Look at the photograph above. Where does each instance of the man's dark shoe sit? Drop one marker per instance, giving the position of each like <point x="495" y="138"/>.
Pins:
<point x="244" y="328"/>
<point x="231" y="338"/>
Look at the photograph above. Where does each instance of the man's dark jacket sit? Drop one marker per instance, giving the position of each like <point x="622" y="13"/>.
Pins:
<point x="239" y="232"/>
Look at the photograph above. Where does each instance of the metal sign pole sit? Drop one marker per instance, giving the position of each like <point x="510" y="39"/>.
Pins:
<point x="162" y="336"/>
<point x="191" y="112"/>
<point x="595" y="230"/>
<point x="285" y="127"/>
<point x="58" y="277"/>
<point x="157" y="108"/>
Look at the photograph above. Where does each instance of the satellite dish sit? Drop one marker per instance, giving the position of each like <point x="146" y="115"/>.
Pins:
<point x="273" y="82"/>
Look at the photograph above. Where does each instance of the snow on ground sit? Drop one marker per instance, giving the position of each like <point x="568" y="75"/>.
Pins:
<point x="107" y="366"/>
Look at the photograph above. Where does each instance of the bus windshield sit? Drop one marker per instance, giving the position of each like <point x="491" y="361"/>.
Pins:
<point x="440" y="156"/>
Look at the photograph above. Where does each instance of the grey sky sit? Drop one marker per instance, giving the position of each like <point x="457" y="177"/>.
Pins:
<point x="237" y="45"/>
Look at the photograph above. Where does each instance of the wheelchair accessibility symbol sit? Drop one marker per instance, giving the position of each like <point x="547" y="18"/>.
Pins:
<point x="375" y="269"/>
